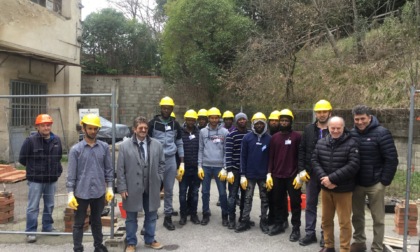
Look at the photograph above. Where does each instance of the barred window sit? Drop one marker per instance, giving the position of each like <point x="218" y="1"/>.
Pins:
<point x="53" y="5"/>
<point x="25" y="110"/>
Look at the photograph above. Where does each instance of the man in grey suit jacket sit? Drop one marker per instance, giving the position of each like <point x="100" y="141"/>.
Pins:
<point x="140" y="168"/>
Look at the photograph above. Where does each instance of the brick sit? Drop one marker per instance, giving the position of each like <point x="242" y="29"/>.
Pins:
<point x="6" y="215"/>
<point x="6" y="208"/>
<point x="7" y="220"/>
<point x="411" y="232"/>
<point x="106" y="221"/>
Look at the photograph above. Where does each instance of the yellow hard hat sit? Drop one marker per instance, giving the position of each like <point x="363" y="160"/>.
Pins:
<point x="287" y="112"/>
<point x="228" y="114"/>
<point x="173" y="115"/>
<point x="274" y="115"/>
<point x="214" y="112"/>
<point x="259" y="116"/>
<point x="91" y="119"/>
<point x="202" y="112"/>
<point x="322" y="105"/>
<point x="166" y="101"/>
<point x="191" y="114"/>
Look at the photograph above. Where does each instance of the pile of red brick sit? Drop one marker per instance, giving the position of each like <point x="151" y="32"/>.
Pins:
<point x="69" y="219"/>
<point x="7" y="206"/>
<point x="412" y="218"/>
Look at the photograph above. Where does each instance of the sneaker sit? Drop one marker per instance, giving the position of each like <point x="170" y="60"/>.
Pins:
<point x="358" y="247"/>
<point x="130" y="248"/>
<point x="308" y="239"/>
<point x="154" y="245"/>
<point x="30" y="238"/>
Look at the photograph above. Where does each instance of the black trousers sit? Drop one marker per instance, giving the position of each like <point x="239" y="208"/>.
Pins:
<point x="282" y="187"/>
<point x="96" y="208"/>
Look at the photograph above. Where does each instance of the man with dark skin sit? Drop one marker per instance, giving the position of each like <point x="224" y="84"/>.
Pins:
<point x="168" y="132"/>
<point x="202" y="119"/>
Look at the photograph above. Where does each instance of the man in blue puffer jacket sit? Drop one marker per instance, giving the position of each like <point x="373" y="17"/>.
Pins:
<point x="378" y="164"/>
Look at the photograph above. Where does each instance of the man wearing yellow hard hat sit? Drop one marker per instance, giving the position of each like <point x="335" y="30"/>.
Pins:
<point x="202" y="119"/>
<point x="168" y="132"/>
<point x="228" y="120"/>
<point x="311" y="134"/>
<point x="89" y="182"/>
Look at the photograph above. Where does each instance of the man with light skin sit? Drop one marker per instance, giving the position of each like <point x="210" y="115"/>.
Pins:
<point x="89" y="182"/>
<point x="211" y="163"/>
<point x="41" y="154"/>
<point x="378" y="164"/>
<point x="311" y="134"/>
<point x="140" y="168"/>
<point x="335" y="163"/>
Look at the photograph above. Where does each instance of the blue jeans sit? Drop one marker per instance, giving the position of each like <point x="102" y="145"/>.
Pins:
<point x="131" y="225"/>
<point x="313" y="187"/>
<point x="189" y="200"/>
<point x="209" y="173"/>
<point x="35" y="192"/>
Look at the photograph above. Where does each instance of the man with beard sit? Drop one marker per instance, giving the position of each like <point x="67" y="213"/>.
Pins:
<point x="311" y="134"/>
<point x="254" y="166"/>
<point x="282" y="169"/>
<point x="233" y="155"/>
<point x="274" y="122"/>
<point x="168" y="132"/>
<point x="202" y="119"/>
<point x="89" y="182"/>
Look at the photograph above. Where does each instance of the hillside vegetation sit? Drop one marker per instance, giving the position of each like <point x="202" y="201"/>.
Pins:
<point x="382" y="80"/>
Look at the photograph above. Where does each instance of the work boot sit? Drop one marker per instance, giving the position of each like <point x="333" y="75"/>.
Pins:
<point x="295" y="235"/>
<point x="264" y="225"/>
<point x="167" y="222"/>
<point x="308" y="239"/>
<point x="225" y="221"/>
<point x="276" y="229"/>
<point x="232" y="222"/>
<point x="242" y="226"/>
<point x="183" y="220"/>
<point x="194" y="219"/>
<point x="358" y="247"/>
<point x="206" y="219"/>
<point x="101" y="248"/>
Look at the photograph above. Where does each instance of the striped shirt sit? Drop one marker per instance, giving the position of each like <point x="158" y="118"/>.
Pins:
<point x="233" y="149"/>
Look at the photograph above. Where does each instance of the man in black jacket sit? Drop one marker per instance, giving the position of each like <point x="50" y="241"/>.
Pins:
<point x="311" y="134"/>
<point x="378" y="164"/>
<point x="41" y="154"/>
<point x="335" y="163"/>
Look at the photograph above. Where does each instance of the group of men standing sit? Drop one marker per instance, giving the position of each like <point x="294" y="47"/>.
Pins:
<point x="343" y="166"/>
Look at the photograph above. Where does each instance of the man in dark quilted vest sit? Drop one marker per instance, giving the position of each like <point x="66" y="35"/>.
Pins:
<point x="378" y="164"/>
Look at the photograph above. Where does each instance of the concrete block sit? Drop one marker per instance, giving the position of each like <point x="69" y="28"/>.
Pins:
<point x="117" y="244"/>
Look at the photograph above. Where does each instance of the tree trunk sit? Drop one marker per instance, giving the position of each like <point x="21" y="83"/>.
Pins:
<point x="358" y="32"/>
<point x="331" y="39"/>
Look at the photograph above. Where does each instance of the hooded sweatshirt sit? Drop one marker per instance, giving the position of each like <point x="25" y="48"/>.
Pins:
<point x="169" y="134"/>
<point x="211" y="150"/>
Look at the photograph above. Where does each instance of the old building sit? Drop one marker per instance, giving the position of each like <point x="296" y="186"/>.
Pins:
<point x="39" y="54"/>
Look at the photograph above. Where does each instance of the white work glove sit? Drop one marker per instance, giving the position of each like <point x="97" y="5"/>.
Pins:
<point x="244" y="182"/>
<point x="72" y="202"/>
<point x="297" y="182"/>
<point x="230" y="178"/>
<point x="222" y="174"/>
<point x="109" y="195"/>
<point x="269" y="182"/>
<point x="304" y="176"/>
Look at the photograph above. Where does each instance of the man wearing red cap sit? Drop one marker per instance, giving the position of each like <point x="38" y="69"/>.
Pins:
<point x="41" y="154"/>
